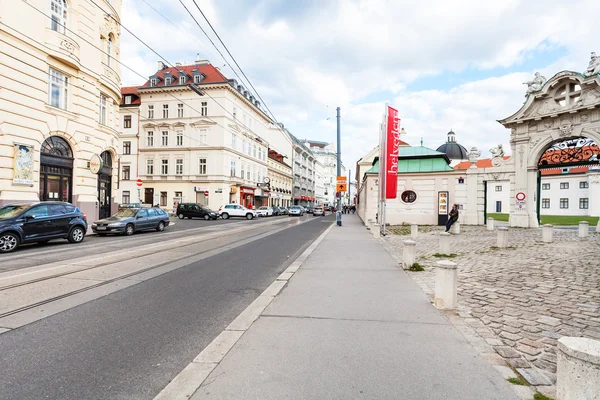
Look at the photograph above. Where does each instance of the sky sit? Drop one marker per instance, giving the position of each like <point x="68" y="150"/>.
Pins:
<point x="442" y="64"/>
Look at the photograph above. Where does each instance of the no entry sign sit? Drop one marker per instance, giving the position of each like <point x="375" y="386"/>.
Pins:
<point x="139" y="183"/>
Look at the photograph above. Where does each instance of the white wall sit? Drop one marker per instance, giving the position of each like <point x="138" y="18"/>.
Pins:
<point x="573" y="194"/>
<point x="493" y="195"/>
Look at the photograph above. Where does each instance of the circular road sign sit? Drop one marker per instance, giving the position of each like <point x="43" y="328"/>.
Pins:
<point x="139" y="182"/>
<point x="520" y="196"/>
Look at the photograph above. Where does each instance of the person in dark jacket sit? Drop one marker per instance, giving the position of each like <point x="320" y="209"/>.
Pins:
<point x="453" y="217"/>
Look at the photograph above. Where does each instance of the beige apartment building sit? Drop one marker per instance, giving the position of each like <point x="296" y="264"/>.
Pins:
<point x="281" y="180"/>
<point x="200" y="137"/>
<point x="58" y="102"/>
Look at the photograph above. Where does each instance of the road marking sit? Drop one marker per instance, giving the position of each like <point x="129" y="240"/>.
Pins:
<point x="188" y="381"/>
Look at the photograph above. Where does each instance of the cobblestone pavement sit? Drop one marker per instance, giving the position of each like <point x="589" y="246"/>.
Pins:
<point x="514" y="303"/>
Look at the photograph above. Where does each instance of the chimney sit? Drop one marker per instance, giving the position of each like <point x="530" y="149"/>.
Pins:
<point x="178" y="64"/>
<point x="202" y="62"/>
<point x="161" y="65"/>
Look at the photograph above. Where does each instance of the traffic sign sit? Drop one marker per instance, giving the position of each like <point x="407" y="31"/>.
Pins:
<point x="206" y="193"/>
<point x="341" y="179"/>
<point x="340" y="187"/>
<point x="139" y="182"/>
<point x="520" y="196"/>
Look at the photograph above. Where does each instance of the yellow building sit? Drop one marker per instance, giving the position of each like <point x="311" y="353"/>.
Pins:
<point x="58" y="102"/>
<point x="281" y="180"/>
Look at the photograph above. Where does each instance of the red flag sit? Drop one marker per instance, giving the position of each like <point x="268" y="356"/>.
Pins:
<point x="392" y="145"/>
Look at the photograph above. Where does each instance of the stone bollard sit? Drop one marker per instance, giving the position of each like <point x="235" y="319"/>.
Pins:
<point x="408" y="253"/>
<point x="455" y="228"/>
<point x="547" y="233"/>
<point x="446" y="276"/>
<point x="584" y="229"/>
<point x="445" y="243"/>
<point x="490" y="224"/>
<point x="578" y="369"/>
<point x="369" y="224"/>
<point x="414" y="231"/>
<point x="376" y="231"/>
<point x="502" y="237"/>
<point x="598" y="227"/>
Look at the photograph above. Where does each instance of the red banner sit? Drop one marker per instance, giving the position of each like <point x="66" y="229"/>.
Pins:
<point x="392" y="144"/>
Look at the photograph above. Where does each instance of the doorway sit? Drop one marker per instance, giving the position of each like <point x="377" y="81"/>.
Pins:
<point x="56" y="170"/>
<point x="149" y="196"/>
<point x="105" y="186"/>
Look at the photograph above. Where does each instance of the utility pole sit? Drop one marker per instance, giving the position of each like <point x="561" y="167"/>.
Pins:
<point x="339" y="168"/>
<point x="349" y="180"/>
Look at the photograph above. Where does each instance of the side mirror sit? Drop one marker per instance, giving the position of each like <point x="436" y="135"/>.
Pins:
<point x="29" y="217"/>
<point x="138" y="217"/>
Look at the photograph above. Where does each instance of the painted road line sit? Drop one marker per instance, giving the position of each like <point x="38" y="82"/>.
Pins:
<point x="187" y="382"/>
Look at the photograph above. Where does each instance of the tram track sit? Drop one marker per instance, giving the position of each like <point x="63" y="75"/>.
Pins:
<point x="198" y="256"/>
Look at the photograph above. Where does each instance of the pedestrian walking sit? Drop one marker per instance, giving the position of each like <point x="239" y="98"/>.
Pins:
<point x="453" y="217"/>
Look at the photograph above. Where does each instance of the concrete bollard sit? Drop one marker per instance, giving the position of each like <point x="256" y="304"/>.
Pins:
<point x="578" y="369"/>
<point x="408" y="253"/>
<point x="369" y="224"/>
<point x="455" y="228"/>
<point x="598" y="227"/>
<point x="490" y="224"/>
<point x="584" y="229"/>
<point x="502" y="237"/>
<point x="446" y="276"/>
<point x="547" y="233"/>
<point x="376" y="230"/>
<point x="414" y="231"/>
<point x="445" y="243"/>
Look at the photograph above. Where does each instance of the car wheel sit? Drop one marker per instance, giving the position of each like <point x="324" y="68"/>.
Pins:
<point x="160" y="227"/>
<point x="8" y="242"/>
<point x="206" y="217"/>
<point x="181" y="216"/>
<point x="76" y="235"/>
<point x="249" y="216"/>
<point x="129" y="230"/>
<point x="225" y="216"/>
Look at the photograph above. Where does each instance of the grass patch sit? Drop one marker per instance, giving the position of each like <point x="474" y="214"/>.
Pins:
<point x="539" y="396"/>
<point x="568" y="220"/>
<point x="516" y="381"/>
<point x="416" y="267"/>
<point x="439" y="255"/>
<point x="499" y="217"/>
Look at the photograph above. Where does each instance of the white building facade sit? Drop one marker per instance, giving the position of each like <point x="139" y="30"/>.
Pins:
<point x="59" y="103"/>
<point x="326" y="156"/>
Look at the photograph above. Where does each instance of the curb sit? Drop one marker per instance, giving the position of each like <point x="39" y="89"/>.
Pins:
<point x="191" y="378"/>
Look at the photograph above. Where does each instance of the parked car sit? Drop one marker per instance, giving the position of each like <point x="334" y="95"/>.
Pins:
<point x="127" y="221"/>
<point x="236" y="210"/>
<point x="277" y="211"/>
<point x="296" y="210"/>
<point x="193" y="210"/>
<point x="40" y="222"/>
<point x="264" y="211"/>
<point x="318" y="211"/>
<point x="309" y="209"/>
<point x="284" y="210"/>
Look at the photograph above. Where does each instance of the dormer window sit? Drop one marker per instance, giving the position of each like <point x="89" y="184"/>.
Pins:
<point x="197" y="78"/>
<point x="182" y="80"/>
<point x="152" y="81"/>
<point x="168" y="81"/>
<point x="127" y="99"/>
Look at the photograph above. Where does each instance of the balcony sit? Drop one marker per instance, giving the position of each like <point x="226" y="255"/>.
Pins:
<point x="63" y="48"/>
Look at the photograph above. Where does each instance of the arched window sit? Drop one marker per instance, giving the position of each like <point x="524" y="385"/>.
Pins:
<point x="58" y="10"/>
<point x="57" y="146"/>
<point x="109" y="49"/>
<point x="106" y="159"/>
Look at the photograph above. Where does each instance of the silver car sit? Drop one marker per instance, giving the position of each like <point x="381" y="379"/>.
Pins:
<point x="127" y="221"/>
<point x="296" y="210"/>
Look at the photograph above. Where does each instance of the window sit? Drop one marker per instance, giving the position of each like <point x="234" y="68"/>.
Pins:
<point x="127" y="121"/>
<point x="179" y="138"/>
<point x="179" y="166"/>
<point x="204" y="109"/>
<point x="152" y="81"/>
<point x="234" y="141"/>
<point x="254" y="151"/>
<point x="545" y="203"/>
<point x="168" y="81"/>
<point x="564" y="185"/>
<point x="232" y="169"/>
<point x="126" y="197"/>
<point x="179" y="194"/>
<point x="109" y="46"/>
<point x="545" y="186"/>
<point x="164" y="167"/>
<point x="408" y="196"/>
<point x="260" y="154"/>
<point x="150" y="139"/>
<point x="584" y="185"/>
<point x="58" y="20"/>
<point x="234" y="112"/>
<point x="126" y="172"/>
<point x="202" y="166"/>
<point x="197" y="78"/>
<point x="127" y="147"/>
<point x="165" y="138"/>
<point x="149" y="167"/>
<point x="127" y="99"/>
<point x="247" y="174"/>
<point x="102" y="110"/>
<point x="163" y="199"/>
<point x="498" y="188"/>
<point x="568" y="94"/>
<point x="564" y="203"/>
<point x="179" y="110"/>
<point x="165" y="111"/>
<point x="150" y="112"/>
<point x="58" y="89"/>
<point x="182" y="80"/>
<point x="243" y="167"/>
<point x="583" y="203"/>
<point x="202" y="136"/>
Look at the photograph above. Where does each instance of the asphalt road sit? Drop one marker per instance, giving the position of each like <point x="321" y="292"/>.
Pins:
<point x="130" y="344"/>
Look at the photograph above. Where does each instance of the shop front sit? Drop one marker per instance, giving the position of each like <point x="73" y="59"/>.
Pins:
<point x="247" y="197"/>
<point x="262" y="197"/>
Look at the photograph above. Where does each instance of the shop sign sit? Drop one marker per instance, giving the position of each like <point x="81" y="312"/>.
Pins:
<point x="95" y="164"/>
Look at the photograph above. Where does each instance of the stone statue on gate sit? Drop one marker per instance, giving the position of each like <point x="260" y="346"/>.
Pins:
<point x="594" y="66"/>
<point x="497" y="151"/>
<point x="535" y="84"/>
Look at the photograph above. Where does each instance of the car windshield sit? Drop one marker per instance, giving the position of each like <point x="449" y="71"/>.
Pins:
<point x="9" y="211"/>
<point x="126" y="212"/>
<point x="295" y="208"/>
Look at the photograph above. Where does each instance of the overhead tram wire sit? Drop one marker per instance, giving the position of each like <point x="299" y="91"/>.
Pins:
<point x="169" y="63"/>
<point x="130" y="69"/>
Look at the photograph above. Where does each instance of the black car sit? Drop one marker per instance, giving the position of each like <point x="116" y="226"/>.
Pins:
<point x="127" y="221"/>
<point x="193" y="210"/>
<point x="40" y="222"/>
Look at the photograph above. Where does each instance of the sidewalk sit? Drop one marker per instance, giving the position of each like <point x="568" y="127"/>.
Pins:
<point x="351" y="324"/>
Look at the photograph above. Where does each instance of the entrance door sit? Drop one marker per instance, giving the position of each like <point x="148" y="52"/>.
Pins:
<point x="149" y="196"/>
<point x="56" y="170"/>
<point x="105" y="185"/>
